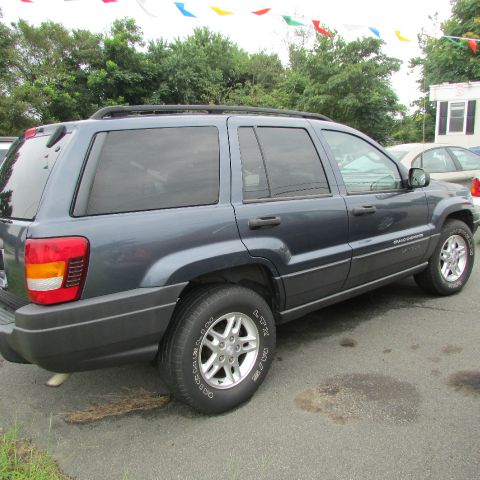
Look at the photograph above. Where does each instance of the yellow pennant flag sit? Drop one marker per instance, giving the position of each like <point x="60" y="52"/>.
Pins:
<point x="220" y="11"/>
<point x="400" y="37"/>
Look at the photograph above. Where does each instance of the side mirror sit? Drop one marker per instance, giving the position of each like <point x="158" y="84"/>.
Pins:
<point x="418" y="177"/>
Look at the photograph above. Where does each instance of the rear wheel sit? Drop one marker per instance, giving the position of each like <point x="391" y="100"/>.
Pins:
<point x="451" y="263"/>
<point x="220" y="347"/>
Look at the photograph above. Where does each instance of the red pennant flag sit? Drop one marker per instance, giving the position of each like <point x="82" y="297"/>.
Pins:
<point x="26" y="1"/>
<point x="473" y="45"/>
<point x="262" y="12"/>
<point x="109" y="1"/>
<point x="319" y="29"/>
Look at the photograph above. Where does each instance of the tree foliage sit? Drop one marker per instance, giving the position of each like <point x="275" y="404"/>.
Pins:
<point x="49" y="74"/>
<point x="448" y="60"/>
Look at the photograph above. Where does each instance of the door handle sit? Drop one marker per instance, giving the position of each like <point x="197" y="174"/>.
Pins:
<point x="263" y="222"/>
<point x="364" y="210"/>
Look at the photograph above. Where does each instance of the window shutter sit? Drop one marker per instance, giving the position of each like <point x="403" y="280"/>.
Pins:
<point x="442" y="122"/>
<point x="471" y="117"/>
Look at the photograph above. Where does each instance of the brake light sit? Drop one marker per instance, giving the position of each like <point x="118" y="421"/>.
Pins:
<point x="55" y="268"/>
<point x="475" y="190"/>
<point x="31" y="132"/>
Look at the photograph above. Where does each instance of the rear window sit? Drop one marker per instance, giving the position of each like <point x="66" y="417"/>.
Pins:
<point x="23" y="176"/>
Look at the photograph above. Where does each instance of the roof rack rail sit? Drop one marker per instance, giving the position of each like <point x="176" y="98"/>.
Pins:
<point x="125" y="111"/>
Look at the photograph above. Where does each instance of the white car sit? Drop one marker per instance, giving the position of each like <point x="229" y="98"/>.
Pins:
<point x="5" y="143"/>
<point x="449" y="163"/>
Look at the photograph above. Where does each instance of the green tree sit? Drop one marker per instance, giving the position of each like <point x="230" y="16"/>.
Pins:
<point x="204" y="68"/>
<point x="347" y="81"/>
<point x="448" y="60"/>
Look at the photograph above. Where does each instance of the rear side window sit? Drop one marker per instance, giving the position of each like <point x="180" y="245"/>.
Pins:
<point x="280" y="162"/>
<point x="157" y="168"/>
<point x="467" y="160"/>
<point x="24" y="174"/>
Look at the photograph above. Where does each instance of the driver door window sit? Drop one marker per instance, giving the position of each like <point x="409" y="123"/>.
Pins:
<point x="363" y="167"/>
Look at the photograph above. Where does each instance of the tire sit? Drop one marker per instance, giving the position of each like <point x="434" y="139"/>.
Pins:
<point x="219" y="348"/>
<point x="451" y="264"/>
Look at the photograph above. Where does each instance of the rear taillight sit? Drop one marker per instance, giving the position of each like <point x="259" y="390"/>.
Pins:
<point x="475" y="190"/>
<point x="55" y="268"/>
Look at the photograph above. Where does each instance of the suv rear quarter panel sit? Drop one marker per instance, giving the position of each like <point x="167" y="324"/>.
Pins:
<point x="146" y="248"/>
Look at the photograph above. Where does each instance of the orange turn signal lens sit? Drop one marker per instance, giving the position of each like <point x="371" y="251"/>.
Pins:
<point x="36" y="271"/>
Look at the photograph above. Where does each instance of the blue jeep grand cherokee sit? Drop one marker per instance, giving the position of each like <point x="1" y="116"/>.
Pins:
<point x="185" y="234"/>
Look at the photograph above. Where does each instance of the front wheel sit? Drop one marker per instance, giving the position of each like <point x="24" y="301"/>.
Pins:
<point x="452" y="261"/>
<point x="220" y="347"/>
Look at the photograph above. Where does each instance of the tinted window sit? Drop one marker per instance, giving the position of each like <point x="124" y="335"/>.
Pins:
<point x="293" y="167"/>
<point x="156" y="168"/>
<point x="363" y="167"/>
<point x="255" y="184"/>
<point x="24" y="174"/>
<point x="467" y="160"/>
<point x="437" y="161"/>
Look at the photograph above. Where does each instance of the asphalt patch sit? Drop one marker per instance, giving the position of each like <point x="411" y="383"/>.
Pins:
<point x="355" y="397"/>
<point x="141" y="400"/>
<point x="348" y="342"/>
<point x="451" y="349"/>
<point x="467" y="382"/>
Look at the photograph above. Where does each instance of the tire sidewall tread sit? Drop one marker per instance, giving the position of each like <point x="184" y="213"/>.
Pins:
<point x="179" y="360"/>
<point x="431" y="278"/>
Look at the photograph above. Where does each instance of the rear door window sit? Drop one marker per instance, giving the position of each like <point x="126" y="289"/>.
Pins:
<point x="156" y="168"/>
<point x="280" y="162"/>
<point x="24" y="174"/>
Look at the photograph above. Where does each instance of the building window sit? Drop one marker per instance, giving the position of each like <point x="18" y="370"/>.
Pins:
<point x="456" y="120"/>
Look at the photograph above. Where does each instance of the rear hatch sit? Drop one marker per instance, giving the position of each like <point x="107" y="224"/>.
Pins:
<point x="23" y="176"/>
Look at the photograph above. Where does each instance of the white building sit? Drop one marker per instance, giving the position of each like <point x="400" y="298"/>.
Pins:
<point x="458" y="119"/>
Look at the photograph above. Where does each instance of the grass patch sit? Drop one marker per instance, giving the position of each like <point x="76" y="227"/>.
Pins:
<point x="133" y="402"/>
<point x="21" y="460"/>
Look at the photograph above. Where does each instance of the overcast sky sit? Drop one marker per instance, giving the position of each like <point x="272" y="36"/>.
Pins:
<point x="161" y="18"/>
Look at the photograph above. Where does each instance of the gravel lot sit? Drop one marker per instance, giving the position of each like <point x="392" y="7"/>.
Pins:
<point x="384" y="386"/>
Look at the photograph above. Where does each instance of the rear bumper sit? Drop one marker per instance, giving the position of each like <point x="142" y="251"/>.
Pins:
<point x="87" y="334"/>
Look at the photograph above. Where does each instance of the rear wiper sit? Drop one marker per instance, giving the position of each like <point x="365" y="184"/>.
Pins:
<point x="58" y="134"/>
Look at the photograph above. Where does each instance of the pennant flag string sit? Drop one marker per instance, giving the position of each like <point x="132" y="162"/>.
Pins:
<point x="221" y="12"/>
<point x="141" y="4"/>
<point x="262" y="12"/>
<point x="473" y="45"/>
<point x="289" y="20"/>
<point x="185" y="13"/>
<point x="462" y="38"/>
<point x="400" y="37"/>
<point x="319" y="29"/>
<point x="293" y="23"/>
<point x="455" y="42"/>
<point x="375" y="31"/>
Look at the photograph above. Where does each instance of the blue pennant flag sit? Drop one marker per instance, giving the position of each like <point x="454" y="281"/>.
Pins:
<point x="186" y="13"/>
